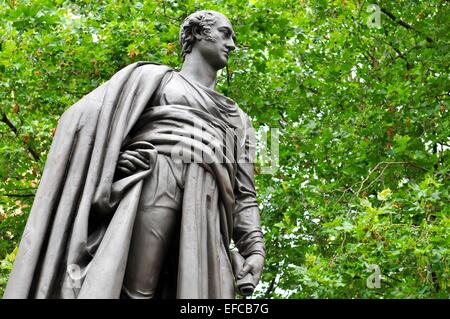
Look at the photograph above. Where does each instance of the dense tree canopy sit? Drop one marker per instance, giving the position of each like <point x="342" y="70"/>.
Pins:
<point x="359" y="91"/>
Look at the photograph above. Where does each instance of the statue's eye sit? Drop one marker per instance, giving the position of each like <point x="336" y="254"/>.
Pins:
<point x="226" y="32"/>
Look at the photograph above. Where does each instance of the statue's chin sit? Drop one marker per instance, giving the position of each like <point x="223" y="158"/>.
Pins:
<point x="219" y="63"/>
<point x="220" y="66"/>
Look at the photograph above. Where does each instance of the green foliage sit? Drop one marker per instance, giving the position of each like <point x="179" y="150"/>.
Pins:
<point x="363" y="174"/>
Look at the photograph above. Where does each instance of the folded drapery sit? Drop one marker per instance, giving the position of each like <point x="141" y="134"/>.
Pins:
<point x="77" y="238"/>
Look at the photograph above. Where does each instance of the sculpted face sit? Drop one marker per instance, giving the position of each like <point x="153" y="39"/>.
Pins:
<point x="218" y="43"/>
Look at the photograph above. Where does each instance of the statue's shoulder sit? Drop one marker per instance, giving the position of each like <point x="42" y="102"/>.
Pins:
<point x="142" y="70"/>
<point x="91" y="103"/>
<point x="152" y="68"/>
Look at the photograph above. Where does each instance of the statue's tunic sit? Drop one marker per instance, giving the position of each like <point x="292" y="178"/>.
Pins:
<point x="208" y="122"/>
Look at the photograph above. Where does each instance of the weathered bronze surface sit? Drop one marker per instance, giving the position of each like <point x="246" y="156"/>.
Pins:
<point x="148" y="180"/>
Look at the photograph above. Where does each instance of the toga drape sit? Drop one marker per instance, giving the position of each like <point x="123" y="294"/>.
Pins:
<point x="77" y="238"/>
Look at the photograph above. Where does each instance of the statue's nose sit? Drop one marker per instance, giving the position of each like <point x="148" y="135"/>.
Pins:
<point x="230" y="45"/>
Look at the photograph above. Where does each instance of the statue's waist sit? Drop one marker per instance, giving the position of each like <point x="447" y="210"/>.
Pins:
<point x="183" y="131"/>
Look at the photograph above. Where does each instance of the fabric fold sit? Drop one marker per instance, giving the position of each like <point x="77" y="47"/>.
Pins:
<point x="80" y="166"/>
<point x="77" y="238"/>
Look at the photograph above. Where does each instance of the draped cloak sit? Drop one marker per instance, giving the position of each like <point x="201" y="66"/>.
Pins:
<point x="77" y="238"/>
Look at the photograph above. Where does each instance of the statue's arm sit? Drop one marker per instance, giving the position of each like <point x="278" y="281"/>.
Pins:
<point x="247" y="233"/>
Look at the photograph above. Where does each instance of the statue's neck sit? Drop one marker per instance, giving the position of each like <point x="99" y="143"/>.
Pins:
<point x="197" y="69"/>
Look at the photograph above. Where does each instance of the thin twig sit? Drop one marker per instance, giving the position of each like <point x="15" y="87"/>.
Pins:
<point x="373" y="170"/>
<point x="30" y="149"/>
<point x="403" y="23"/>
<point x="378" y="177"/>
<point x="18" y="195"/>
<point x="270" y="288"/>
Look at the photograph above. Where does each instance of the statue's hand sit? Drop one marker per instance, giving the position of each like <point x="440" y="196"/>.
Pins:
<point x="131" y="161"/>
<point x="254" y="265"/>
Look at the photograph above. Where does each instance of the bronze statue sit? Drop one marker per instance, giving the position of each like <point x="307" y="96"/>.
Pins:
<point x="148" y="180"/>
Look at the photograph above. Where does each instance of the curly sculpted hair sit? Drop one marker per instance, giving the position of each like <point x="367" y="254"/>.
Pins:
<point x="200" y="22"/>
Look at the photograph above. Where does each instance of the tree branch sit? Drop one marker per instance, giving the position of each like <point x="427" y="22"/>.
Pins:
<point x="403" y="23"/>
<point x="30" y="149"/>
<point x="6" y="120"/>
<point x="374" y="169"/>
<point x="270" y="288"/>
<point x="18" y="195"/>
<point x="399" y="55"/>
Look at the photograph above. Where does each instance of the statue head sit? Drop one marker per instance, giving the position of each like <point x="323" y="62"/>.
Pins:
<point x="211" y="34"/>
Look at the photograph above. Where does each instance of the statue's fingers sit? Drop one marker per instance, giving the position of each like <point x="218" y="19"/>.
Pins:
<point x="256" y="277"/>
<point x="138" y="155"/>
<point x="127" y="164"/>
<point x="135" y="161"/>
<point x="126" y="156"/>
<point x="245" y="270"/>
<point x="139" y="163"/>
<point x="125" y="171"/>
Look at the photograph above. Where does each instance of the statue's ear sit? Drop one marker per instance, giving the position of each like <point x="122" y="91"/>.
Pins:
<point x="197" y="33"/>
